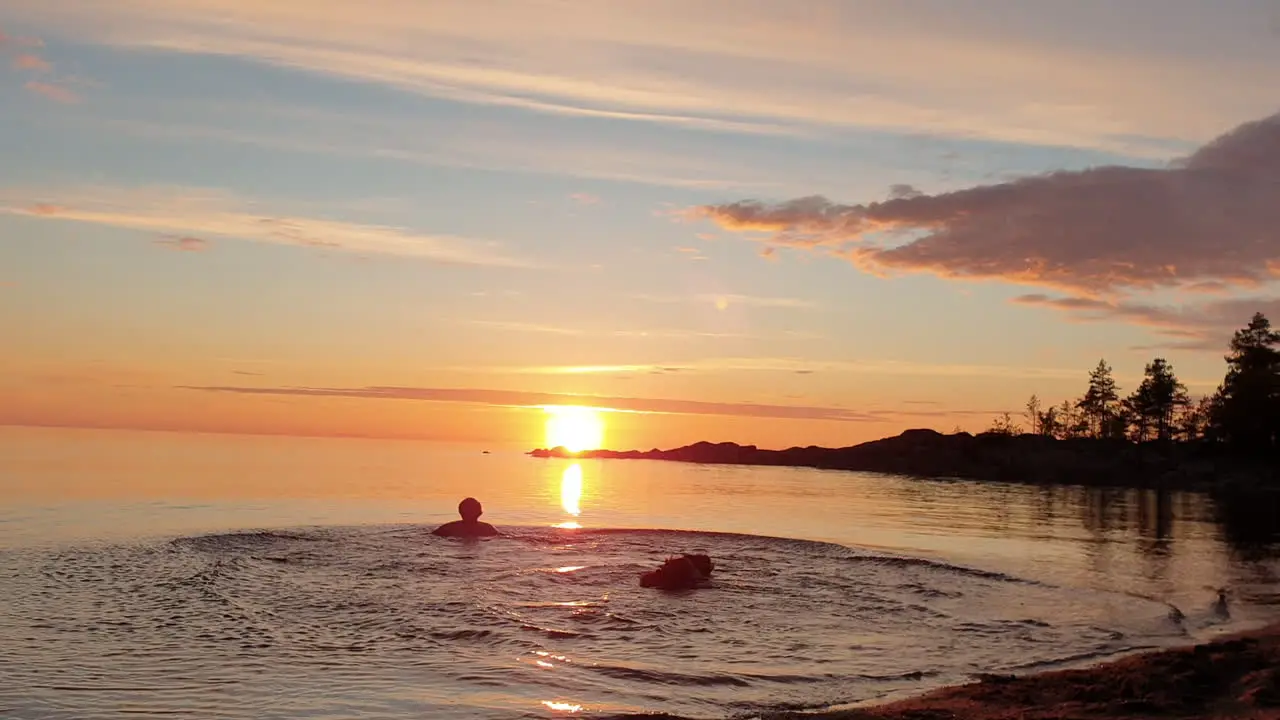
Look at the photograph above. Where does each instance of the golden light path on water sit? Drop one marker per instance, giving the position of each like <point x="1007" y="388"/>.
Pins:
<point x="571" y="494"/>
<point x="575" y="429"/>
<point x="562" y="706"/>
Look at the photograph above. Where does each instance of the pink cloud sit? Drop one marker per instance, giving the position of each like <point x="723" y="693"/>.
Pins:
<point x="1201" y="327"/>
<point x="1209" y="219"/>
<point x="518" y="398"/>
<point x="184" y="244"/>
<point x="16" y="41"/>
<point x="53" y="92"/>
<point x="584" y="198"/>
<point x="34" y="63"/>
<point x="46" y="209"/>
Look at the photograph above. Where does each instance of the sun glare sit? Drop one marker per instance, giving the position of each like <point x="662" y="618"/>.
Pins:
<point x="574" y="428"/>
<point x="562" y="706"/>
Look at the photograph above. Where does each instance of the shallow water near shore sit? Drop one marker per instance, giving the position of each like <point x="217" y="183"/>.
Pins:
<point x="265" y="578"/>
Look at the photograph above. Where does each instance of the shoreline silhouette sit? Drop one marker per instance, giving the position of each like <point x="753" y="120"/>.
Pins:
<point x="1155" y="437"/>
<point x="992" y="457"/>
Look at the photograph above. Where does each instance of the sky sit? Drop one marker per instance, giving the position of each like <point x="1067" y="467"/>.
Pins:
<point x="764" y="222"/>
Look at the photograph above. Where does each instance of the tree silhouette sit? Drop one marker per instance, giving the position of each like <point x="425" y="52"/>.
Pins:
<point x="1033" y="414"/>
<point x="1004" y="425"/>
<point x="1246" y="410"/>
<point x="1153" y="405"/>
<point x="1050" y="426"/>
<point x="1196" y="418"/>
<point x="1063" y="422"/>
<point x="1101" y="401"/>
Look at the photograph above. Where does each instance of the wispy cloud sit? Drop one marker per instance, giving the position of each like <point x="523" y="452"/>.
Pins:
<point x="8" y="41"/>
<point x="727" y="300"/>
<point x="26" y="60"/>
<point x="53" y="91"/>
<point x="185" y="243"/>
<point x="1204" y="327"/>
<point x="421" y="141"/>
<point x="649" y="333"/>
<point x="524" y="327"/>
<point x="203" y="212"/>
<point x="1208" y="219"/>
<point x="523" y="399"/>
<point x="514" y="398"/>
<point x="992" y="71"/>
<point x="31" y="63"/>
<point x="796" y="365"/>
<point x="681" y="334"/>
<point x="583" y="198"/>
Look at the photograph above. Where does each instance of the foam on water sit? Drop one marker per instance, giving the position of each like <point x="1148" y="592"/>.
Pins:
<point x="393" y="622"/>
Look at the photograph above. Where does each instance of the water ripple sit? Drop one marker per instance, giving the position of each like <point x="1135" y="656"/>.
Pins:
<point x="394" y="622"/>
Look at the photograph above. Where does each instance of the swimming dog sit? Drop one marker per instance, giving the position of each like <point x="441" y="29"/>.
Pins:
<point x="680" y="573"/>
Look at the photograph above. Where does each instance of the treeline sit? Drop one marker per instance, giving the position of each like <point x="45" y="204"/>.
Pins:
<point x="1243" y="413"/>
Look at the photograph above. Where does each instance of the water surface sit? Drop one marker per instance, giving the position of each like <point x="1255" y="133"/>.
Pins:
<point x="214" y="576"/>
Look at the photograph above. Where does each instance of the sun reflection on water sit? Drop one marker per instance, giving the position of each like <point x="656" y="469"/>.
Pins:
<point x="571" y="494"/>
<point x="571" y="489"/>
<point x="562" y="706"/>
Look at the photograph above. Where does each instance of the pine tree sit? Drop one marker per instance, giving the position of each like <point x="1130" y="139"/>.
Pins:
<point x="1247" y="406"/>
<point x="1193" y="423"/>
<point x="1033" y="414"/>
<point x="1049" y="424"/>
<point x="1101" y="401"/>
<point x="1153" y="406"/>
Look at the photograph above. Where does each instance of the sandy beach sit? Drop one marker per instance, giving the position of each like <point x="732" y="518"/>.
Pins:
<point x="1237" y="676"/>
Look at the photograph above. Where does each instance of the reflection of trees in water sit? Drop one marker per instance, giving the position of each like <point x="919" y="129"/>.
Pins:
<point x="1250" y="523"/>
<point x="1151" y="520"/>
<point x="994" y="503"/>
<point x="1156" y="520"/>
<point x="1164" y="544"/>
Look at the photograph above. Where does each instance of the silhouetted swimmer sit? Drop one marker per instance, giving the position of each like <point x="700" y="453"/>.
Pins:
<point x="469" y="525"/>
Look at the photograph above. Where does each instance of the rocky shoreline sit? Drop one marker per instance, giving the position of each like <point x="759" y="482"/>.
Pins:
<point x="1235" y="677"/>
<point x="1232" y="677"/>
<point x="996" y="457"/>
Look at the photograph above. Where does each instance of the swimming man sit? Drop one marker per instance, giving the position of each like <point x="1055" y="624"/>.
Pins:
<point x="469" y="525"/>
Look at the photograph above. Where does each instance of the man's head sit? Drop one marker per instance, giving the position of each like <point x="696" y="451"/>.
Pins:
<point x="470" y="509"/>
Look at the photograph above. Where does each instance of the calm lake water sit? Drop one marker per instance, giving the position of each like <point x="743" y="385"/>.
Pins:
<point x="223" y="576"/>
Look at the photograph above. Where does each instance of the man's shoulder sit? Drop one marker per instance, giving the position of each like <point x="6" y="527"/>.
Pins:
<point x="461" y="528"/>
<point x="450" y="528"/>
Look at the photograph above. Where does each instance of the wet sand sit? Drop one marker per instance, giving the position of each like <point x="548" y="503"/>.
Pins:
<point x="1233" y="677"/>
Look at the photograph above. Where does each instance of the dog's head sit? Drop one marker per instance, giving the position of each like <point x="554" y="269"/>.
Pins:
<point x="701" y="562"/>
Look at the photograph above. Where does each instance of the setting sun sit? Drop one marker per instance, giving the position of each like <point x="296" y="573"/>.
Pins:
<point x="574" y="428"/>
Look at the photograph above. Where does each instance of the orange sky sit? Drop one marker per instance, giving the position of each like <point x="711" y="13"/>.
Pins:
<point x="758" y="222"/>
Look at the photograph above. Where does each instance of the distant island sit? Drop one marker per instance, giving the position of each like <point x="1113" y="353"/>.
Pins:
<point x="990" y="456"/>
<point x="1154" y="437"/>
